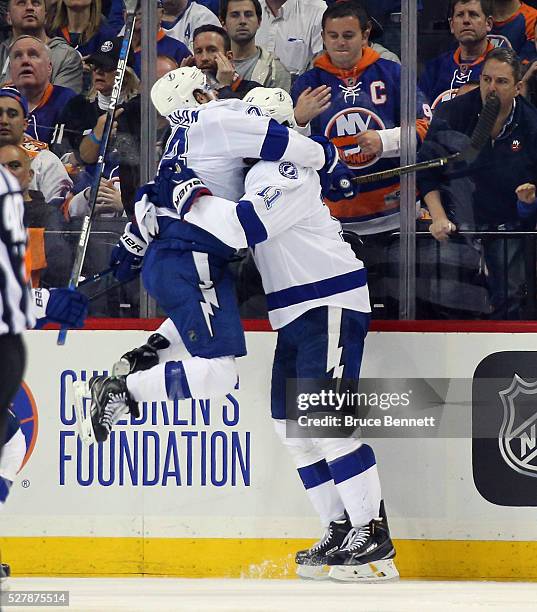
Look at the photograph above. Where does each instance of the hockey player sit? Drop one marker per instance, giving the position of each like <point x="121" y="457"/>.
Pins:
<point x="470" y="22"/>
<point x="211" y="137"/>
<point x="318" y="300"/>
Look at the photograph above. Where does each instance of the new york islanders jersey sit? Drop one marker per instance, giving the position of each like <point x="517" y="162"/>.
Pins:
<point x="364" y="98"/>
<point x="517" y="32"/>
<point x="43" y="118"/>
<point x="446" y="74"/>
<point x="297" y="245"/>
<point x="213" y="140"/>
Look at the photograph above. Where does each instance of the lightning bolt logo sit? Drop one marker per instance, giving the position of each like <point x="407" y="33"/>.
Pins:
<point x="334" y="351"/>
<point x="208" y="292"/>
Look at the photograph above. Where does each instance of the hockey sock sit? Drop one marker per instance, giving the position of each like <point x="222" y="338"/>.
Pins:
<point x="314" y="473"/>
<point x="322" y="492"/>
<point x="356" y="478"/>
<point x="195" y="377"/>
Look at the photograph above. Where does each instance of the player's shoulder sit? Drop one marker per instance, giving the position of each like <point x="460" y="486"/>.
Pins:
<point x="280" y="174"/>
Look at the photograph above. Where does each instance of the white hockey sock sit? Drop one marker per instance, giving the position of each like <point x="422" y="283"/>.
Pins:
<point x="148" y="385"/>
<point x="356" y="478"/>
<point x="315" y="475"/>
<point x="193" y="377"/>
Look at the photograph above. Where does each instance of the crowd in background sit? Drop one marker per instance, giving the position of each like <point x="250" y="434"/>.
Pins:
<point x="339" y="61"/>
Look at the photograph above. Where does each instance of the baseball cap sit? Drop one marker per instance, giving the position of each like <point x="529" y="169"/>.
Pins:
<point x="13" y="92"/>
<point x="107" y="55"/>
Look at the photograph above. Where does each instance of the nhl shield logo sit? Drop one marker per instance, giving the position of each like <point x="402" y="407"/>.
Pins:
<point x="518" y="433"/>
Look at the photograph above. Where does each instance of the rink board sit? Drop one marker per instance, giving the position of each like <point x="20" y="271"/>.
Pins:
<point x="206" y="490"/>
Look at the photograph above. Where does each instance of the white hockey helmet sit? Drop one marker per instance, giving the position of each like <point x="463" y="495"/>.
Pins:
<point x="175" y="90"/>
<point x="276" y="103"/>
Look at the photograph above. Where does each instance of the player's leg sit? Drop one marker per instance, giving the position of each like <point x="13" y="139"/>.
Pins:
<point x="13" y="363"/>
<point x="307" y="458"/>
<point x="351" y="463"/>
<point x="196" y="291"/>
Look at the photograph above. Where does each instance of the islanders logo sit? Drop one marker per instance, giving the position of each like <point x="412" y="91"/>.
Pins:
<point x="342" y="130"/>
<point x="25" y="408"/>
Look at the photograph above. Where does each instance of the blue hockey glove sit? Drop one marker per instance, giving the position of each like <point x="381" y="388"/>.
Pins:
<point x="64" y="306"/>
<point x="127" y="257"/>
<point x="178" y="186"/>
<point x="339" y="184"/>
<point x="336" y="177"/>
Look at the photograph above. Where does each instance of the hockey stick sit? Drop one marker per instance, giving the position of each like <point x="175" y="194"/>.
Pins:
<point x="478" y="140"/>
<point x="95" y="277"/>
<point x="82" y="246"/>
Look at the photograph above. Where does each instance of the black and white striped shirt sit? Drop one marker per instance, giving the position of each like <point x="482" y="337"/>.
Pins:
<point x="16" y="307"/>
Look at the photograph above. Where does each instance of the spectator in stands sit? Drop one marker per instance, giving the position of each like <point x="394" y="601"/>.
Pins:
<point x="39" y="215"/>
<point x="213" y="55"/>
<point x="291" y="30"/>
<point x="362" y="118"/>
<point x="470" y="22"/>
<point x="504" y="167"/>
<point x="15" y="159"/>
<point x="81" y="24"/>
<point x="166" y="45"/>
<point x="182" y="17"/>
<point x="28" y="17"/>
<point x="84" y="118"/>
<point x="49" y="175"/>
<point x="514" y="26"/>
<point x="31" y="68"/>
<point x="241" y="19"/>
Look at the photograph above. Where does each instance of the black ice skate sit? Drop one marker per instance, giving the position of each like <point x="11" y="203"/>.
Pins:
<point x="312" y="561"/>
<point x="366" y="555"/>
<point x="110" y="400"/>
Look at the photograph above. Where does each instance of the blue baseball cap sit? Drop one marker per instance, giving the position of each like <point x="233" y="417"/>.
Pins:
<point x="13" y="92"/>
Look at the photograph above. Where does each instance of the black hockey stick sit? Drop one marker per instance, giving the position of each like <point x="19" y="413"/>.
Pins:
<point x="99" y="168"/>
<point x="478" y="140"/>
<point x="95" y="277"/>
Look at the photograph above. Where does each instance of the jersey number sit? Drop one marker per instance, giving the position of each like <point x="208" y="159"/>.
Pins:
<point x="12" y="218"/>
<point x="269" y="195"/>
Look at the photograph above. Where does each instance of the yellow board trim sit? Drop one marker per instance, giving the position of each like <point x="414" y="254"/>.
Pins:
<point x="255" y="558"/>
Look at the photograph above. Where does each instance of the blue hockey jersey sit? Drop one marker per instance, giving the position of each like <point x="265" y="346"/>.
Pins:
<point x="364" y="98"/>
<point x="517" y="32"/>
<point x="445" y="74"/>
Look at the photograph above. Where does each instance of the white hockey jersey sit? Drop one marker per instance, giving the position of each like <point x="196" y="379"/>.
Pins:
<point x="298" y="248"/>
<point x="215" y="138"/>
<point x="194" y="16"/>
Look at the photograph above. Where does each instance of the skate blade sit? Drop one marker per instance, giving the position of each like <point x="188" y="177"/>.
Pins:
<point x="82" y="397"/>
<point x="377" y="571"/>
<point x="312" y="572"/>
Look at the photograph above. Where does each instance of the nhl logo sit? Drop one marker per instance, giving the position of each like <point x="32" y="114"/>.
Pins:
<point x="516" y="146"/>
<point x="107" y="46"/>
<point x="518" y="433"/>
